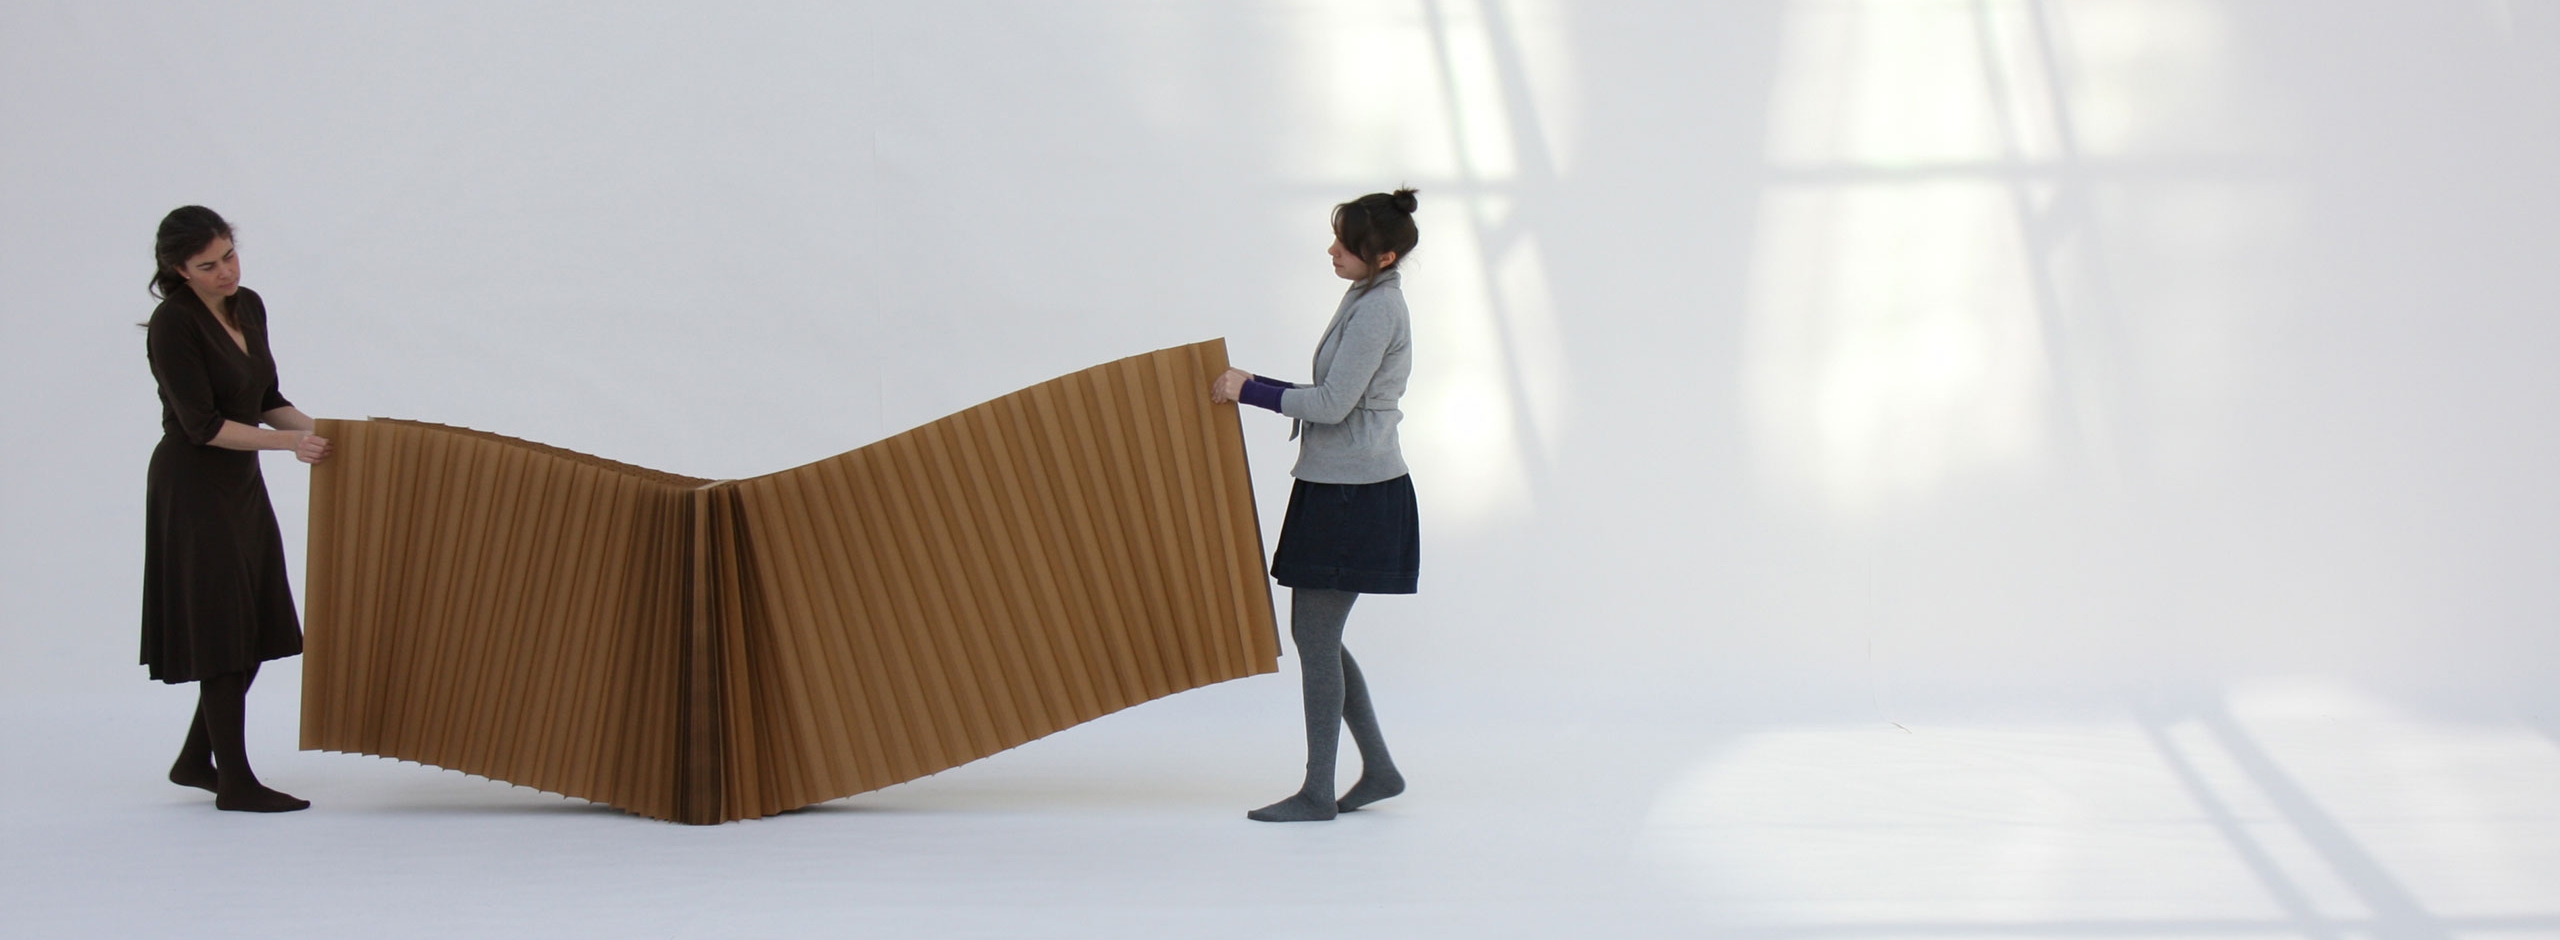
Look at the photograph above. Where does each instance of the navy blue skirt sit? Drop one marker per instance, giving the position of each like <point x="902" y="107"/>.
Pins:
<point x="1360" y="537"/>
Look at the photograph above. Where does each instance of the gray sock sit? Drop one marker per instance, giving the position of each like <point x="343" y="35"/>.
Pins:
<point x="1316" y="618"/>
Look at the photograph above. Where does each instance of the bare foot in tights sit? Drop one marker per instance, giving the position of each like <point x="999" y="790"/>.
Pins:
<point x="197" y="773"/>
<point x="256" y="798"/>
<point x="194" y="767"/>
<point x="1300" y="808"/>
<point x="1374" y="785"/>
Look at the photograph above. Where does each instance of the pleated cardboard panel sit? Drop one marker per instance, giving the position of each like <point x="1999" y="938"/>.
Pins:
<point x="1033" y="611"/>
<point x="793" y="651"/>
<point x="1075" y="571"/>
<point x="849" y="640"/>
<point x="1044" y="542"/>
<point x="988" y="622"/>
<point x="930" y="718"/>
<point x="987" y="579"/>
<point x="1097" y="508"/>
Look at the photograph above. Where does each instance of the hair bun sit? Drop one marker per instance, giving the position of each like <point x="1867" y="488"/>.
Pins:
<point x="1377" y="225"/>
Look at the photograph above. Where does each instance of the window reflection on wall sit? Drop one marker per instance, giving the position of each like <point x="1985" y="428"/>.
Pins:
<point x="1462" y="100"/>
<point x="1951" y="182"/>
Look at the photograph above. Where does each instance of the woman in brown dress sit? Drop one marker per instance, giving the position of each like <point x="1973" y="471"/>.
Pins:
<point x="215" y="598"/>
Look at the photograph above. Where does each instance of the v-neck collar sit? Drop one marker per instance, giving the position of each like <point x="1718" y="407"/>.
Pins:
<point x="240" y="345"/>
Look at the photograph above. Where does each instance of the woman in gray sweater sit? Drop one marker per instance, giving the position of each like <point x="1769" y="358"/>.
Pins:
<point x="1351" y="527"/>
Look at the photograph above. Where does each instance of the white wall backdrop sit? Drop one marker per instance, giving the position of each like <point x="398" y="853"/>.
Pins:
<point x="1849" y="355"/>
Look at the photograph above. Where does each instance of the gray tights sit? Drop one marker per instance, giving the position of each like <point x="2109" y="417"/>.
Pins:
<point x="1335" y="695"/>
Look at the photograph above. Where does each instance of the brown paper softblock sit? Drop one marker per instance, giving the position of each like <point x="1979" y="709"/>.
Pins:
<point x="703" y="651"/>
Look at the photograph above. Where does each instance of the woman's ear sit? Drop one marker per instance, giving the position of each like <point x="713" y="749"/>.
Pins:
<point x="1386" y="260"/>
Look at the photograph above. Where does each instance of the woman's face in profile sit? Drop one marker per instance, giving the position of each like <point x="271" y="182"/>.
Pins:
<point x="215" y="270"/>
<point x="1346" y="265"/>
<point x="1349" y="267"/>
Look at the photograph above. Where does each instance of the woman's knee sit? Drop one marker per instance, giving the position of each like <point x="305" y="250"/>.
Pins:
<point x="225" y="685"/>
<point x="1312" y="632"/>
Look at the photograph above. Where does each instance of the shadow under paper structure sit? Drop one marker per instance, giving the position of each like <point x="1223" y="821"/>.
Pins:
<point x="704" y="651"/>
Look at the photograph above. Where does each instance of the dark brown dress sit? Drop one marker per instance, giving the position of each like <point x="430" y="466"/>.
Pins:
<point x="215" y="597"/>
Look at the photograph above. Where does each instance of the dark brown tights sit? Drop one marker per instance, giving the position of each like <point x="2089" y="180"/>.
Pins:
<point x="216" y="755"/>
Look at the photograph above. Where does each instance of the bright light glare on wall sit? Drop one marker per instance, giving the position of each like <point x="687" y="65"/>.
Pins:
<point x="1893" y="339"/>
<point x="1926" y="246"/>
<point x="1460" y="100"/>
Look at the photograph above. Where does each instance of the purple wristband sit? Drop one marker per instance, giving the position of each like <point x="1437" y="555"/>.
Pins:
<point x="1261" y="393"/>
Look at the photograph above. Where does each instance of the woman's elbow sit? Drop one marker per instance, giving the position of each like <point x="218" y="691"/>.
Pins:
<point x="1326" y="415"/>
<point x="1316" y="407"/>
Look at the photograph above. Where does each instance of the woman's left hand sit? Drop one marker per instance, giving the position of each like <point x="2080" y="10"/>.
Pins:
<point x="1229" y="386"/>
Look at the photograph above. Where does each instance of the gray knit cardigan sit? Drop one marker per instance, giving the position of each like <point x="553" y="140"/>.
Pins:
<point x="1347" y="419"/>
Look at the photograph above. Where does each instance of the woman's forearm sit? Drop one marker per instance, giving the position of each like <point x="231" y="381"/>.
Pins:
<point x="237" y="436"/>
<point x="289" y="418"/>
<point x="1262" y="393"/>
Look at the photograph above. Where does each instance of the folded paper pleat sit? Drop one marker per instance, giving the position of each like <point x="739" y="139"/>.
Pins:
<point x="704" y="651"/>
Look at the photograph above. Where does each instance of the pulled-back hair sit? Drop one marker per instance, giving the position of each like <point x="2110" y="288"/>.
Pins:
<point x="1375" y="224"/>
<point x="184" y="232"/>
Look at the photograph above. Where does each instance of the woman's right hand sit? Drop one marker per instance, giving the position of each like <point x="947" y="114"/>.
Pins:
<point x="311" y="449"/>
<point x="1228" y="386"/>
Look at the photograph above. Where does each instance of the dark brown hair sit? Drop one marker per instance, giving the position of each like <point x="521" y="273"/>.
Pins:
<point x="1375" y="224"/>
<point x="183" y="232"/>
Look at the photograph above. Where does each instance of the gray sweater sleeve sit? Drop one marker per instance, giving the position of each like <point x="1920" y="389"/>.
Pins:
<point x="1355" y="361"/>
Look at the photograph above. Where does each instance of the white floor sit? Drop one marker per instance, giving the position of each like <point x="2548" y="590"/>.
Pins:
<point x="2277" y="811"/>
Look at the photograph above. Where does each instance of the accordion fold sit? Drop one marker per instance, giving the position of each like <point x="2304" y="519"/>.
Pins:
<point x="704" y="651"/>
